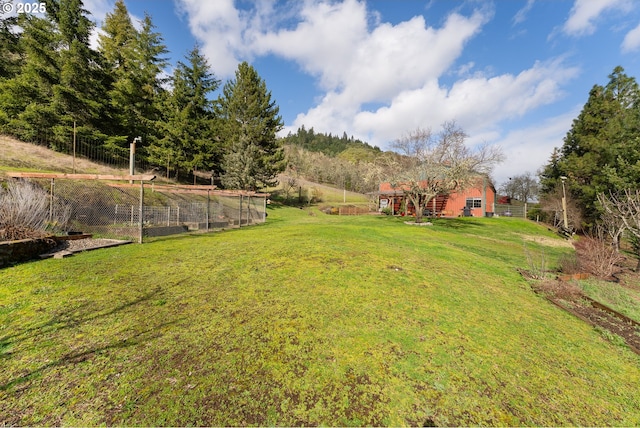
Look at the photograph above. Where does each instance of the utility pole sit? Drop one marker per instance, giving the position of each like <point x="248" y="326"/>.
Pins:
<point x="564" y="204"/>
<point x="132" y="156"/>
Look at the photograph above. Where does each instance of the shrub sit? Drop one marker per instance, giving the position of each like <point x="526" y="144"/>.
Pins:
<point x="569" y="264"/>
<point x="537" y="263"/>
<point x="25" y="211"/>
<point x="597" y="257"/>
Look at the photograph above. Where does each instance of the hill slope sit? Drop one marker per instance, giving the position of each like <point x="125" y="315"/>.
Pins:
<point x="307" y="320"/>
<point x="18" y="156"/>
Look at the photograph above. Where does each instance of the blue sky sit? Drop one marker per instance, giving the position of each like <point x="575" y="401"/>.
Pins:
<point x="512" y="73"/>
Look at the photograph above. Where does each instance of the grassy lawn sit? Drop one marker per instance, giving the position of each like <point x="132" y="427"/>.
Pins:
<point x="307" y="319"/>
<point x="624" y="299"/>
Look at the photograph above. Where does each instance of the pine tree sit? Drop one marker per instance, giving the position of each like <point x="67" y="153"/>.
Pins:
<point x="254" y="154"/>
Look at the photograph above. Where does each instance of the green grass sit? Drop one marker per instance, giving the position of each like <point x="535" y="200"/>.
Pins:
<point x="307" y="319"/>
<point x="624" y="299"/>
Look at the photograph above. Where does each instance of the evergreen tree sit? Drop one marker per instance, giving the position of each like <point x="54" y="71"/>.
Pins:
<point x="601" y="152"/>
<point x="79" y="95"/>
<point x="150" y="57"/>
<point x="254" y="154"/>
<point x="25" y="98"/>
<point x="189" y="142"/>
<point x="117" y="46"/>
<point x="134" y="62"/>
<point x="10" y="53"/>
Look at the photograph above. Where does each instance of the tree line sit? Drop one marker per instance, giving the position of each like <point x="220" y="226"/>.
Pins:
<point x="52" y="81"/>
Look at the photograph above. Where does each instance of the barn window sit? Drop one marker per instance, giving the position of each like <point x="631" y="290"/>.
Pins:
<point x="474" y="203"/>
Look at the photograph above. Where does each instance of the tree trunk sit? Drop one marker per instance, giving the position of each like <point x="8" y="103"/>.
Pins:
<point x="419" y="213"/>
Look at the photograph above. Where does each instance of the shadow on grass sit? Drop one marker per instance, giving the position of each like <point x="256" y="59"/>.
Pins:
<point x="457" y="223"/>
<point x="69" y="318"/>
<point x="447" y="223"/>
<point x="80" y="356"/>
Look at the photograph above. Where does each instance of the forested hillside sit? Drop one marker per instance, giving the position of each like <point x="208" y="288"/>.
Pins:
<point x="343" y="162"/>
<point x="332" y="145"/>
<point x="55" y="88"/>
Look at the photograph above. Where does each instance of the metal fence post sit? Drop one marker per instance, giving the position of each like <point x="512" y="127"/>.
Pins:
<point x="240" y="216"/>
<point x="248" y="209"/>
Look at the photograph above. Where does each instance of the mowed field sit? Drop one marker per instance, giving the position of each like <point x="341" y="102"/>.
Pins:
<point x="308" y="319"/>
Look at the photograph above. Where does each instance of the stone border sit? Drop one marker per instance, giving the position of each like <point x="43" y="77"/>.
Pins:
<point x="413" y="223"/>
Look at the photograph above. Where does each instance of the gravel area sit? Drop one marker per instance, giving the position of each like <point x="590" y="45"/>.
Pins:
<point x="77" y="245"/>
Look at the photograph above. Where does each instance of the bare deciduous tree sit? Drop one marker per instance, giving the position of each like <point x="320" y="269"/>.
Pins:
<point x="552" y="203"/>
<point x="609" y="223"/>
<point x="289" y="184"/>
<point x="625" y="208"/>
<point x="438" y="164"/>
<point x="523" y="187"/>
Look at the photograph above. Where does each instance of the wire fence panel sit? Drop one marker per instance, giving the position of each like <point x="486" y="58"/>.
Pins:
<point x="133" y="211"/>
<point x="509" y="210"/>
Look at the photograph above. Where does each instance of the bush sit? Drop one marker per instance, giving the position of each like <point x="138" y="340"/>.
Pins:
<point x="25" y="211"/>
<point x="597" y="257"/>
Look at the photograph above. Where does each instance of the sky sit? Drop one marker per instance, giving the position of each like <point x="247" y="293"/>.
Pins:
<point x="514" y="73"/>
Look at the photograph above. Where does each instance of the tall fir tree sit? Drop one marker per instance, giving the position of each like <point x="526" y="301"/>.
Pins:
<point x="79" y="96"/>
<point x="189" y="142"/>
<point x="117" y="46"/>
<point x="10" y="52"/>
<point x="135" y="63"/>
<point x="150" y="57"/>
<point x="601" y="151"/>
<point x="254" y="155"/>
<point x="25" y="98"/>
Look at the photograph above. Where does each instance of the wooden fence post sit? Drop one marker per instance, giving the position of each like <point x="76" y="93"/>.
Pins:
<point x="208" y="203"/>
<point x="141" y="211"/>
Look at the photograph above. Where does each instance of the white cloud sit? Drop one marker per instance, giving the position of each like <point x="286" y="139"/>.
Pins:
<point x="99" y="9"/>
<point x="529" y="149"/>
<point x="521" y="15"/>
<point x="324" y="42"/>
<point x="218" y="25"/>
<point x="359" y="61"/>
<point x="479" y="104"/>
<point x="585" y="12"/>
<point x="631" y="41"/>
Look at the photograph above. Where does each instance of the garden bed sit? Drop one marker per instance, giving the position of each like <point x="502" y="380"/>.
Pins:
<point x="12" y="252"/>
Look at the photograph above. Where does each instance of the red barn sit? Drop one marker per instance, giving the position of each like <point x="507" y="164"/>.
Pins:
<point x="479" y="199"/>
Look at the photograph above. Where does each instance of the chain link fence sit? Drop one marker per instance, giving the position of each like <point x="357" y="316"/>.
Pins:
<point x="511" y="210"/>
<point x="117" y="209"/>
